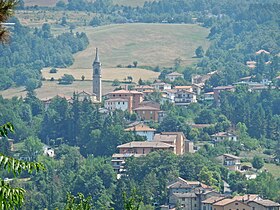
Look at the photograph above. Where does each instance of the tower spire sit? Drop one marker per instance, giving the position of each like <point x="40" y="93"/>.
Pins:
<point x="96" y="60"/>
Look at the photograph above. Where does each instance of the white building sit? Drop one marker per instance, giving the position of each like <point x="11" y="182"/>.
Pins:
<point x="183" y="98"/>
<point x="161" y="86"/>
<point x="116" y="104"/>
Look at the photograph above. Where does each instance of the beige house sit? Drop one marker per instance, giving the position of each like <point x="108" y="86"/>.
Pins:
<point x="223" y="136"/>
<point x="184" y="97"/>
<point x="116" y="104"/>
<point x="264" y="205"/>
<point x="189" y="194"/>
<point x="173" y="76"/>
<point x="86" y="95"/>
<point x="147" y="113"/>
<point x="230" y="204"/>
<point x="208" y="203"/>
<point x="185" y="200"/>
<point x="144" y="147"/>
<point x="177" y="139"/>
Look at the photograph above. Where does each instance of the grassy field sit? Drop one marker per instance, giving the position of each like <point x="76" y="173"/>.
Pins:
<point x="149" y="44"/>
<point x="51" y="89"/>
<point x="107" y="73"/>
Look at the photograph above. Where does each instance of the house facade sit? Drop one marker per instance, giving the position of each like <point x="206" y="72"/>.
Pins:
<point x="231" y="162"/>
<point x="173" y="76"/>
<point x="143" y="130"/>
<point x="223" y="136"/>
<point x="117" y="104"/>
<point x="183" y="98"/>
<point x="230" y="204"/>
<point x="147" y="113"/>
<point x="134" y="97"/>
<point x="264" y="205"/>
<point x="144" y="147"/>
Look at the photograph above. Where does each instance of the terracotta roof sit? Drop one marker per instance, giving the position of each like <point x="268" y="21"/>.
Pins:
<point x="160" y="137"/>
<point x="224" y="202"/>
<point x="145" y="144"/>
<point x="171" y="90"/>
<point x="175" y="74"/>
<point x="125" y="92"/>
<point x="185" y="195"/>
<point x="87" y="93"/>
<point x="246" y="197"/>
<point x="116" y="100"/>
<point x="182" y="87"/>
<point x="140" y="127"/>
<point x="213" y="199"/>
<point x="146" y="108"/>
<point x="223" y="87"/>
<point x="266" y="203"/>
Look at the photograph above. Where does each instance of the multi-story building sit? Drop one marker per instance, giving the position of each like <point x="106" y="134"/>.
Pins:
<point x="183" y="98"/>
<point x="134" y="97"/>
<point x="116" y="104"/>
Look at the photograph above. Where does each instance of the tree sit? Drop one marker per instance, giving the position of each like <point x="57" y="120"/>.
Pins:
<point x="135" y="63"/>
<point x="129" y="78"/>
<point x="78" y="202"/>
<point x="32" y="148"/>
<point x="6" y="11"/>
<point x="199" y="52"/>
<point x="257" y="162"/>
<point x="67" y="79"/>
<point x="116" y="82"/>
<point x="11" y="197"/>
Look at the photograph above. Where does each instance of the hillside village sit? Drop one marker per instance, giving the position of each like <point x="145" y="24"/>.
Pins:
<point x="182" y="194"/>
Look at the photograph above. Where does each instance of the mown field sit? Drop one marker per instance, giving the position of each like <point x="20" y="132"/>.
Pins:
<point x="108" y="74"/>
<point x="149" y="44"/>
<point x="51" y="89"/>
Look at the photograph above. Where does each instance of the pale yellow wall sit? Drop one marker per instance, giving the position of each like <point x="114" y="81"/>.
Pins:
<point x="232" y="206"/>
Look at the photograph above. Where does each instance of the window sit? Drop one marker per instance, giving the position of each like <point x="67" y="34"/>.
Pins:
<point x="194" y="205"/>
<point x="236" y="204"/>
<point x="183" y="199"/>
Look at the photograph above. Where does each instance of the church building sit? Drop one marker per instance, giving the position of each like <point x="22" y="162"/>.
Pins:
<point x="96" y="78"/>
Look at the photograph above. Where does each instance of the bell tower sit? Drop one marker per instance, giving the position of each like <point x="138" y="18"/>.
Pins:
<point x="96" y="78"/>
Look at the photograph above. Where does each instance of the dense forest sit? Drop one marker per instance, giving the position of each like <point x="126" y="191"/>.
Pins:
<point x="29" y="51"/>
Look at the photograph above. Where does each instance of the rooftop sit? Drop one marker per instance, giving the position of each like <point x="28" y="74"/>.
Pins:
<point x="175" y="74"/>
<point x="182" y="87"/>
<point x="224" y="202"/>
<point x="267" y="203"/>
<point x="146" y="108"/>
<point x="162" y="137"/>
<point x="212" y="200"/>
<point x="140" y="127"/>
<point x="222" y="134"/>
<point x="223" y="87"/>
<point x="145" y="144"/>
<point x="125" y="92"/>
<point x="231" y="156"/>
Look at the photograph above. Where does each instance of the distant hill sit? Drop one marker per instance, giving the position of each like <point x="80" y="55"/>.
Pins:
<point x="52" y="3"/>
